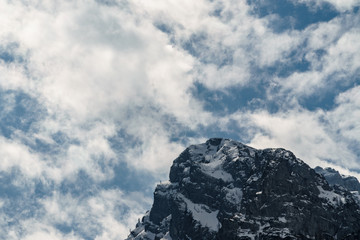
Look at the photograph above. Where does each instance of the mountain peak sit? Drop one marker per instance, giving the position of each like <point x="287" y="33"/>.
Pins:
<point x="223" y="189"/>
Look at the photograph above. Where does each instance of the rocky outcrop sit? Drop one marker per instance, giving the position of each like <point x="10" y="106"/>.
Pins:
<point x="223" y="189"/>
<point x="335" y="178"/>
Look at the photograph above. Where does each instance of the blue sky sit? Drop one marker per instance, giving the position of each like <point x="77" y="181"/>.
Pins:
<point x="98" y="97"/>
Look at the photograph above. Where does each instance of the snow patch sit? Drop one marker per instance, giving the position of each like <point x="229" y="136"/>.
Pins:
<point x="356" y="195"/>
<point x="202" y="214"/>
<point x="214" y="169"/>
<point x="165" y="183"/>
<point x="332" y="197"/>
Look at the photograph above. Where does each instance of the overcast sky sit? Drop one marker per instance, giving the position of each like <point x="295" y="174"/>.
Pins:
<point x="98" y="97"/>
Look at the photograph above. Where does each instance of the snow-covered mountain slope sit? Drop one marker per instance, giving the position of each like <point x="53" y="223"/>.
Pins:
<point x="223" y="189"/>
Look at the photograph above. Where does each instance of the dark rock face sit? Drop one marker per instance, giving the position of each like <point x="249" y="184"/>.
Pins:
<point x="223" y="189"/>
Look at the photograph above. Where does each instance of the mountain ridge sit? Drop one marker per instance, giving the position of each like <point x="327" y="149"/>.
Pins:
<point x="335" y="178"/>
<point x="223" y="189"/>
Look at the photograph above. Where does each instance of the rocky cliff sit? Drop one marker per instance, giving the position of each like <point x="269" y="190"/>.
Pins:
<point x="223" y="189"/>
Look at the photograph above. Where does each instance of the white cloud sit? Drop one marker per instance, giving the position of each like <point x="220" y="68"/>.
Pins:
<point x="215" y="39"/>
<point x="345" y="5"/>
<point x="303" y="133"/>
<point x="324" y="34"/>
<point x="155" y="154"/>
<point x="333" y="54"/>
<point x="97" y="71"/>
<point x="345" y="116"/>
<point x="275" y="47"/>
<point x="106" y="214"/>
<point x="309" y="135"/>
<point x="44" y="232"/>
<point x="90" y="65"/>
<point x="109" y="214"/>
<point x="12" y="77"/>
<point x="15" y="154"/>
<point x="344" y="56"/>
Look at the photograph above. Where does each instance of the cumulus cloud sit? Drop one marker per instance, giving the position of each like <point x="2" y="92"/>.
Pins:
<point x="14" y="154"/>
<point x="43" y="232"/>
<point x="312" y="136"/>
<point x="332" y="51"/>
<point x="108" y="214"/>
<point x="302" y="132"/>
<point x="344" y="116"/>
<point x="99" y="72"/>
<point x="96" y="68"/>
<point x="210" y="32"/>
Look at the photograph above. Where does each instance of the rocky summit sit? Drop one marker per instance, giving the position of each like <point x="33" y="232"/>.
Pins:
<point x="223" y="189"/>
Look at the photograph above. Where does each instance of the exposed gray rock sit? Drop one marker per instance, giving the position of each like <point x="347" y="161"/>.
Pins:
<point x="335" y="178"/>
<point x="223" y="189"/>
